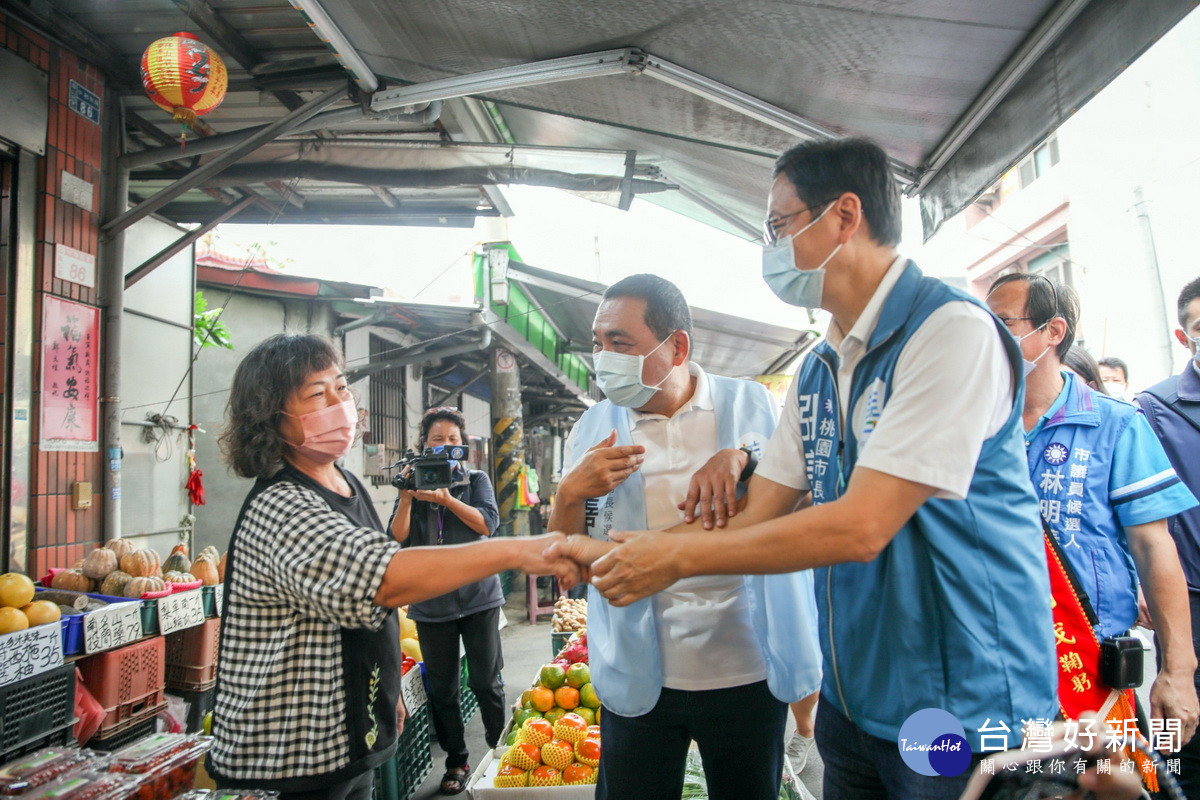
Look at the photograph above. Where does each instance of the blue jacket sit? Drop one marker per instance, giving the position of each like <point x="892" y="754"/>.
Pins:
<point x="955" y="612"/>
<point x="1098" y="469"/>
<point x="623" y="650"/>
<point x="1168" y="407"/>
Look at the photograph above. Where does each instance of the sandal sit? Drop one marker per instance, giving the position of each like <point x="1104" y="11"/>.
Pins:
<point x="455" y="780"/>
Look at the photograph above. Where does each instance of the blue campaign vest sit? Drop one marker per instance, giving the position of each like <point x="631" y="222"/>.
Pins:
<point x="1070" y="461"/>
<point x="623" y="649"/>
<point x="955" y="612"/>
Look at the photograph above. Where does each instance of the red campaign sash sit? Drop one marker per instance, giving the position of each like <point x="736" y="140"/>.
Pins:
<point x="1078" y="651"/>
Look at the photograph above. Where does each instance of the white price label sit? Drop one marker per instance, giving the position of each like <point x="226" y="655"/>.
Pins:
<point x="179" y="611"/>
<point x="219" y="597"/>
<point x="106" y="628"/>
<point x="30" y="652"/>
<point x="412" y="688"/>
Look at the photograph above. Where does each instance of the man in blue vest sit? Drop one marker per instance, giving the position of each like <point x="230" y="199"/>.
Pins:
<point x="904" y="427"/>
<point x="1105" y="487"/>
<point x="1173" y="411"/>
<point x="712" y="659"/>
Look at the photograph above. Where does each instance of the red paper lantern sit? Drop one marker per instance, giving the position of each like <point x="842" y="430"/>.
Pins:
<point x="184" y="77"/>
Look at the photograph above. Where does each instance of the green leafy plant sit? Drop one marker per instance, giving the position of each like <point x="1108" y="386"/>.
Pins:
<point x="207" y="329"/>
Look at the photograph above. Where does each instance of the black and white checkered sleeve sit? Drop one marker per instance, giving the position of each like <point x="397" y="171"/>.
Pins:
<point x="321" y="563"/>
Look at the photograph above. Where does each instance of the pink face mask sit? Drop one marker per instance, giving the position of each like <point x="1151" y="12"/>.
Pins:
<point x="328" y="433"/>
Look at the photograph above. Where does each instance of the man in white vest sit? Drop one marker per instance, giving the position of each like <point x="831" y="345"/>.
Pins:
<point x="710" y="659"/>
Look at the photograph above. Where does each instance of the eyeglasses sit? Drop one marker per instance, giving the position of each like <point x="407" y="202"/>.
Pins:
<point x="1009" y="320"/>
<point x="772" y="227"/>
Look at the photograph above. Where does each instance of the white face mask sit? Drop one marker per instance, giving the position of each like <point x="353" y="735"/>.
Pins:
<point x="1030" y="366"/>
<point x="798" y="287"/>
<point x="1115" y="388"/>
<point x="620" y="377"/>
<point x="1195" y="340"/>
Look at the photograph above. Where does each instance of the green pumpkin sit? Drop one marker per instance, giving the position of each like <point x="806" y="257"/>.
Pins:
<point x="177" y="562"/>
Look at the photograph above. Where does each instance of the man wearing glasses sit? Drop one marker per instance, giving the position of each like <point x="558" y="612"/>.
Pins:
<point x="904" y="428"/>
<point x="1106" y="489"/>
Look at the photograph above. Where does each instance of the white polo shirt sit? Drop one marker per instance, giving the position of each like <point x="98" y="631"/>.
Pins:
<point x="704" y="630"/>
<point x="951" y="391"/>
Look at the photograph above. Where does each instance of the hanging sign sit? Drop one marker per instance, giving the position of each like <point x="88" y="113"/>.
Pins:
<point x="30" y="652"/>
<point x="70" y="376"/>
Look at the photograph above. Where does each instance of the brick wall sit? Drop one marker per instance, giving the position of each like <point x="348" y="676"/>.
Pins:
<point x="59" y="535"/>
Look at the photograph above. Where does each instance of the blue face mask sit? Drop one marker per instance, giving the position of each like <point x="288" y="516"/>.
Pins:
<point x="799" y="287"/>
<point x="620" y="377"/>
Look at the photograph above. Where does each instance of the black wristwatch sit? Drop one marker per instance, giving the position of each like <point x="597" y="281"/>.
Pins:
<point x="751" y="464"/>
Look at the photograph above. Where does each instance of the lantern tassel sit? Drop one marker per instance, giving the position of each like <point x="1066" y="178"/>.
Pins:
<point x="182" y="137"/>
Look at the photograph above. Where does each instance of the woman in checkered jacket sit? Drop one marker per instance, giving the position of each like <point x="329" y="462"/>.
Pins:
<point x="308" y="693"/>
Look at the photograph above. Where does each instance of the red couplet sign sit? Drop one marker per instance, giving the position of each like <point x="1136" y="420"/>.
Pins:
<point x="70" y="375"/>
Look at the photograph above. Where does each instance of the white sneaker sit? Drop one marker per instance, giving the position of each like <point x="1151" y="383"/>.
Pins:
<point x="798" y="748"/>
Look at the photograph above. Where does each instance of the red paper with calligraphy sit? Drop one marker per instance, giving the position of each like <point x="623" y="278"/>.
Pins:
<point x="70" y="376"/>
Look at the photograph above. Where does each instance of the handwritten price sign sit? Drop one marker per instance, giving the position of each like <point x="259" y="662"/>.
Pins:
<point x="30" y="652"/>
<point x="119" y="624"/>
<point x="412" y="688"/>
<point x="179" y="611"/>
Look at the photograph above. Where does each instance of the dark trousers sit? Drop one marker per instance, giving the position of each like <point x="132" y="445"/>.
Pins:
<point x="739" y="732"/>
<point x="357" y="788"/>
<point x="859" y="766"/>
<point x="1189" y="754"/>
<point x="480" y="636"/>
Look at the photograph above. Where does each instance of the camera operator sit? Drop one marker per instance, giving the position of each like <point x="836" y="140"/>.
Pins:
<point x="463" y="512"/>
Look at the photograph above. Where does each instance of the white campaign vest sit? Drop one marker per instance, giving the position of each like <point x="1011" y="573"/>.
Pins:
<point x="623" y="648"/>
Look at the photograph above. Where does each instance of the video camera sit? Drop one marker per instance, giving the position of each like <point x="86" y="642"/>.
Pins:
<point x="433" y="469"/>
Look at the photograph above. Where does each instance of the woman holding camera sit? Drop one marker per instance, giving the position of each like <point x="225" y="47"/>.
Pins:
<point x="308" y="701"/>
<point x="464" y="512"/>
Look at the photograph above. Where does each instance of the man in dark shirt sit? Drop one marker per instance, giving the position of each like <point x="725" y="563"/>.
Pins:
<point x="1173" y="409"/>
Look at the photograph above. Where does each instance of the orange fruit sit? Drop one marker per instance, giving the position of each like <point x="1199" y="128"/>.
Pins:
<point x="12" y="620"/>
<point x="578" y="774"/>
<point x="558" y="753"/>
<point x="566" y="697"/>
<point x="16" y="590"/>
<point x="542" y="698"/>
<point x="554" y="713"/>
<point x="588" y="714"/>
<point x="537" y="731"/>
<point x="509" y="777"/>
<point x="42" y="612"/>
<point x="593" y="732"/>
<point x="570" y="727"/>
<point x="545" y="776"/>
<point x="524" y="755"/>
<point x="588" y="751"/>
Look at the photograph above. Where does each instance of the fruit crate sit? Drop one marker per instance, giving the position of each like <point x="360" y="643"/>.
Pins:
<point x="191" y="657"/>
<point x="124" y="736"/>
<point x="37" y="711"/>
<point x="467" y="699"/>
<point x="128" y="682"/>
<point x="558" y="640"/>
<point x="401" y="777"/>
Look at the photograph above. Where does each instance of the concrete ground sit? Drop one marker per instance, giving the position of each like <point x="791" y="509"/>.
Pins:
<point x="526" y="649"/>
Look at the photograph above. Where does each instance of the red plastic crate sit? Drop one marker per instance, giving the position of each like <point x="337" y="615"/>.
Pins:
<point x="196" y="646"/>
<point x="128" y="682"/>
<point x="191" y="679"/>
<point x="192" y="657"/>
